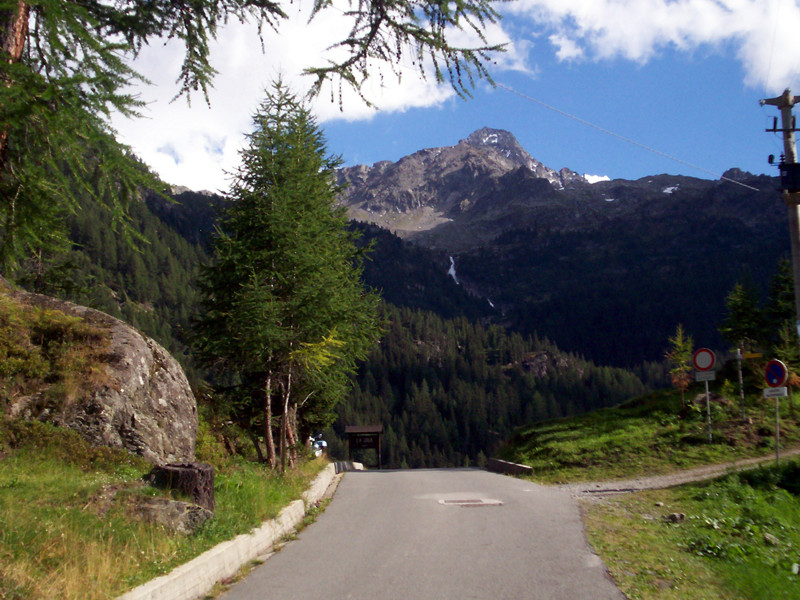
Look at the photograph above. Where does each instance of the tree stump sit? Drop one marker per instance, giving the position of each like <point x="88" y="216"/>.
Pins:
<point x="193" y="479"/>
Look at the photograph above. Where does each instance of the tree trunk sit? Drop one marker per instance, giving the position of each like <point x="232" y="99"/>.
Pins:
<point x="268" y="437"/>
<point x="285" y="420"/>
<point x="256" y="445"/>
<point x="194" y="479"/>
<point x="291" y="432"/>
<point x="13" y="33"/>
<point x="229" y="446"/>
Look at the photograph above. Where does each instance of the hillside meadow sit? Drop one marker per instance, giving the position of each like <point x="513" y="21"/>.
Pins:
<point x="650" y="435"/>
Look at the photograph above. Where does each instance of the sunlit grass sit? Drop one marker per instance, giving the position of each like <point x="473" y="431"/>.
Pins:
<point x="648" y="436"/>
<point x="739" y="539"/>
<point x="60" y="539"/>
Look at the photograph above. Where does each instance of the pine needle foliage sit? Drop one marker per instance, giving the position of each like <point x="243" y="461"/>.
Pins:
<point x="386" y="31"/>
<point x="59" y="82"/>
<point x="678" y="355"/>
<point x="744" y="323"/>
<point x="284" y="315"/>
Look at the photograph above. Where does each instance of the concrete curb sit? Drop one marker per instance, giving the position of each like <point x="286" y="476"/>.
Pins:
<point x="196" y="578"/>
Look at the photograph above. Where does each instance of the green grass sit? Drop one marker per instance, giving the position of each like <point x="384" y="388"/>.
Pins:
<point x="648" y="436"/>
<point x="721" y="550"/>
<point x="61" y="538"/>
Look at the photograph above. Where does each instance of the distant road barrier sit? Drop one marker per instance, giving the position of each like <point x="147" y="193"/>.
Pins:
<point x="496" y="465"/>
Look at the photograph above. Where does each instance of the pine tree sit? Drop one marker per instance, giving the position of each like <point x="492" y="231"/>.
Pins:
<point x="780" y="304"/>
<point x="744" y="324"/>
<point x="782" y="312"/>
<point x="678" y="355"/>
<point x="284" y="316"/>
<point x="786" y="349"/>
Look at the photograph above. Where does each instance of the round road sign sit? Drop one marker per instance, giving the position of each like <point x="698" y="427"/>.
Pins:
<point x="776" y="373"/>
<point x="704" y="359"/>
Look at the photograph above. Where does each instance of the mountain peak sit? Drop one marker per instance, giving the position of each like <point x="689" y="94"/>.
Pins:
<point x="506" y="144"/>
<point x="501" y="140"/>
<point x="486" y="136"/>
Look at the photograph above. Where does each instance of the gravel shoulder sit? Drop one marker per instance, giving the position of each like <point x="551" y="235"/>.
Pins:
<point x="622" y="486"/>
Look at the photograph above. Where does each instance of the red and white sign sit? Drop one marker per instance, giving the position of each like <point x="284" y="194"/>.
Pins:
<point x="704" y="359"/>
<point x="776" y="374"/>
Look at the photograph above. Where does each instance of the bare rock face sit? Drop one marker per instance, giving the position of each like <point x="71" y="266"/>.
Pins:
<point x="145" y="404"/>
<point x="470" y="186"/>
<point x="542" y="363"/>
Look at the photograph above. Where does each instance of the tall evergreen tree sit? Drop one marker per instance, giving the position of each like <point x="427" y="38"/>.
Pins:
<point x="780" y="304"/>
<point x="744" y="324"/>
<point x="780" y="311"/>
<point x="284" y="315"/>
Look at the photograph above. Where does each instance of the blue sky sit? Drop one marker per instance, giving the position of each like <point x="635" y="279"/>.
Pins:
<point x="696" y="110"/>
<point x="681" y="76"/>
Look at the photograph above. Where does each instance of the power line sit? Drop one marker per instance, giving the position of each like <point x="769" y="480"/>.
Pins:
<point x="620" y="137"/>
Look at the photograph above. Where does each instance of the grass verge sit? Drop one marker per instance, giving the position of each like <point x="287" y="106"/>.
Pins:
<point x="65" y="526"/>
<point x="739" y="539"/>
<point x="648" y="436"/>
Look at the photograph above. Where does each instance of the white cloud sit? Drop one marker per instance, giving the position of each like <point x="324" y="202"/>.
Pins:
<point x="763" y="32"/>
<point x="194" y="145"/>
<point x="566" y="49"/>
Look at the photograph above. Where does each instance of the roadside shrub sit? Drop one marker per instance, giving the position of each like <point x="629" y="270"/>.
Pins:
<point x="786" y="477"/>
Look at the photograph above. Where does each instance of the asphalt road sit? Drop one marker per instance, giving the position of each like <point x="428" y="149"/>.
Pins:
<point x="436" y="534"/>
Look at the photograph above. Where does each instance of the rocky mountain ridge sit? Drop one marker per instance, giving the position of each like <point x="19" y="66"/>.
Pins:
<point x="436" y="186"/>
<point x="458" y="198"/>
<point x="606" y="269"/>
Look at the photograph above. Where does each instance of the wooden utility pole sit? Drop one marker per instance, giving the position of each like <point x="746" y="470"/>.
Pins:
<point x="790" y="182"/>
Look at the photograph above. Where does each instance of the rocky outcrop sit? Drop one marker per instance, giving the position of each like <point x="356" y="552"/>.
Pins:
<point x="144" y="405"/>
<point x="544" y="363"/>
<point x="506" y="144"/>
<point x="175" y="515"/>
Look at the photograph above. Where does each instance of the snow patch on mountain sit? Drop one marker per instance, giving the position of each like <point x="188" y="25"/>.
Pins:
<point x="595" y="178"/>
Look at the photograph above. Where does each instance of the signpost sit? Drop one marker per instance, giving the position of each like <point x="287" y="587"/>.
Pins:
<point x="704" y="361"/>
<point x="776" y="375"/>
